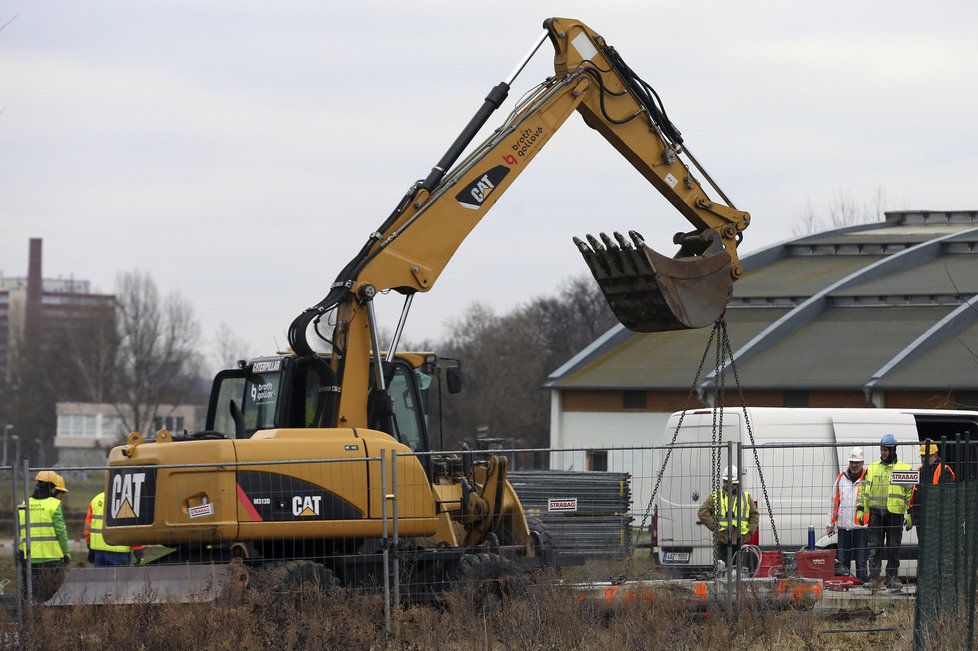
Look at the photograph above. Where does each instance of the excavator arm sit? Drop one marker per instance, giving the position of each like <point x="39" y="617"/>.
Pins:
<point x="647" y="291"/>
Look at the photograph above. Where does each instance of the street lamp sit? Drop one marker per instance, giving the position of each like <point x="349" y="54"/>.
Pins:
<point x="6" y="435"/>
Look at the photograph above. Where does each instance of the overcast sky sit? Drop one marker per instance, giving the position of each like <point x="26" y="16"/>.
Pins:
<point x="242" y="152"/>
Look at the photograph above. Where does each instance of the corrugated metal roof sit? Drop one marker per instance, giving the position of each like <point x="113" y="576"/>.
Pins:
<point x="842" y="348"/>
<point x="951" y="364"/>
<point x="799" y="276"/>
<point x="836" y="344"/>
<point x="663" y="359"/>
<point x="939" y="276"/>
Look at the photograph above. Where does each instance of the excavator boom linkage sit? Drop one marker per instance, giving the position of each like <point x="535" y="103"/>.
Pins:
<point x="649" y="292"/>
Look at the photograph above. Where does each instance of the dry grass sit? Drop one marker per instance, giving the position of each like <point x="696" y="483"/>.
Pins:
<point x="548" y="618"/>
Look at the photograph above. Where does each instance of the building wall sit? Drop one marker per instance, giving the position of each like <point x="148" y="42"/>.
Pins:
<point x="86" y="431"/>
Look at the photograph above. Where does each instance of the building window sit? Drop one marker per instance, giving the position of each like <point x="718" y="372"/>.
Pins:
<point x="113" y="426"/>
<point x="635" y="399"/>
<point x="169" y="423"/>
<point x="77" y="425"/>
<point x="597" y="460"/>
<point x="795" y="398"/>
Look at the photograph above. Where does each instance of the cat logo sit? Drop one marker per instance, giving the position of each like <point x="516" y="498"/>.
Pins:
<point x="307" y="506"/>
<point x="127" y="488"/>
<point x="476" y="192"/>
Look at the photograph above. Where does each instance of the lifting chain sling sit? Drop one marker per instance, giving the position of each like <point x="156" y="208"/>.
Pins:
<point x="724" y="353"/>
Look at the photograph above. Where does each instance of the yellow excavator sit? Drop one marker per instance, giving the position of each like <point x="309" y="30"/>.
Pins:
<point x="303" y="451"/>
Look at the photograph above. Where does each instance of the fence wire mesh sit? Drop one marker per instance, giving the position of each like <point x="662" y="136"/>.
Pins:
<point x="948" y="533"/>
<point x="415" y="527"/>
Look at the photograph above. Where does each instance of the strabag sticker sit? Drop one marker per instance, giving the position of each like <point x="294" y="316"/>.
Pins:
<point x="201" y="511"/>
<point x="563" y="504"/>
<point x="905" y="476"/>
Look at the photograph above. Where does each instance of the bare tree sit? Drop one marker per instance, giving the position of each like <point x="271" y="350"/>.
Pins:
<point x="155" y="361"/>
<point x="841" y="210"/>
<point x="228" y="347"/>
<point x="507" y="358"/>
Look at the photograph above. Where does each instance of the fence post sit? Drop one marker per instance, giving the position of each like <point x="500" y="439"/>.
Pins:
<point x="15" y="524"/>
<point x="971" y="535"/>
<point x="397" y="560"/>
<point x="729" y="516"/>
<point x="941" y="562"/>
<point x="28" y="575"/>
<point x="740" y="556"/>
<point x="384" y="542"/>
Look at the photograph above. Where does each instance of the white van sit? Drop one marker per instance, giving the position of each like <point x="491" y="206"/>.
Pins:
<point x="800" y="453"/>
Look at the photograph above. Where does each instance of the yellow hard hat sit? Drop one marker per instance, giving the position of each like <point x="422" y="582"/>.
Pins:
<point x="48" y="476"/>
<point x="59" y="483"/>
<point x="928" y="448"/>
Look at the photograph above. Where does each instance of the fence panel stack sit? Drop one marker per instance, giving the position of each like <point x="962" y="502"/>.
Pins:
<point x="602" y="523"/>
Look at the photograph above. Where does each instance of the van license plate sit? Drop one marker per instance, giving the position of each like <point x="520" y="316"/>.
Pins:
<point x="675" y="557"/>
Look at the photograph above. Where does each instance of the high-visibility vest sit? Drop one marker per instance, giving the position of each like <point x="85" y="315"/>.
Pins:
<point x="739" y="516"/>
<point x="937" y="473"/>
<point x="852" y="491"/>
<point x="44" y="541"/>
<point x="878" y="493"/>
<point x="96" y="539"/>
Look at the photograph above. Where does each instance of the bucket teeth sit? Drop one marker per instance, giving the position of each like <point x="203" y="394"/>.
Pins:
<point x="649" y="292"/>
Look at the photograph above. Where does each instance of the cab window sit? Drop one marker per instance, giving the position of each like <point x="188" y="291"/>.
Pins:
<point x="255" y="395"/>
<point x="260" y="400"/>
<point x="407" y="411"/>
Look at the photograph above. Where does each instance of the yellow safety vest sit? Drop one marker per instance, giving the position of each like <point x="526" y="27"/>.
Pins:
<point x="96" y="540"/>
<point x="878" y="493"/>
<point x="44" y="541"/>
<point x="740" y="517"/>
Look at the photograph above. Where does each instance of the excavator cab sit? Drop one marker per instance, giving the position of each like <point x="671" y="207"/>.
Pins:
<point x="286" y="391"/>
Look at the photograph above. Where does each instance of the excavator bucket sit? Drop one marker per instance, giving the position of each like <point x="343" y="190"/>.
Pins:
<point x="96" y="586"/>
<point x="649" y="292"/>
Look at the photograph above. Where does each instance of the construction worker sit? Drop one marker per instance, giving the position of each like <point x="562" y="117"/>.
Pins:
<point x="932" y="471"/>
<point x="102" y="553"/>
<point x="48" y="535"/>
<point x="733" y="505"/>
<point x="883" y="506"/>
<point x="853" y="541"/>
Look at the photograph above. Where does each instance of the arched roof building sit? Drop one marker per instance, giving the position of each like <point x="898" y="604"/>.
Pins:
<point x="873" y="315"/>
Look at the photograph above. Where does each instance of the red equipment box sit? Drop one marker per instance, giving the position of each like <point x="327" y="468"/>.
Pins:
<point x="771" y="561"/>
<point x="816" y="563"/>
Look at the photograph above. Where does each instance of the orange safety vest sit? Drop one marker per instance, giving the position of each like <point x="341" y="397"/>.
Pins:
<point x="937" y="473"/>
<point x="936" y="479"/>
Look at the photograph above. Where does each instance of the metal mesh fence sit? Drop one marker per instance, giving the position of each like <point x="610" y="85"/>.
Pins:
<point x="948" y="526"/>
<point x="412" y="527"/>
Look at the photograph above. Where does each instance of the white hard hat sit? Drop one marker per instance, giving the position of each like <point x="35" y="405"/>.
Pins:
<point x="732" y="470"/>
<point x="856" y="454"/>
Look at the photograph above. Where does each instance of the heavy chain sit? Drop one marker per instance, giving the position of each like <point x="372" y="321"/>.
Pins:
<point x="725" y="343"/>
<point x="665" y="462"/>
<point x="717" y="439"/>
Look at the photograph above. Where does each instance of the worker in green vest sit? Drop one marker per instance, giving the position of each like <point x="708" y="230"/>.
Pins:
<point x="102" y="553"/>
<point x="884" y="506"/>
<point x="730" y="505"/>
<point x="48" y="535"/>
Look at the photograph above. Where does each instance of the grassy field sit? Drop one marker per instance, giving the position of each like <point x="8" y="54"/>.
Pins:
<point x="547" y="618"/>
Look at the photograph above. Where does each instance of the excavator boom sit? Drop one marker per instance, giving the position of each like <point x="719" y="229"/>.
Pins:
<point x="648" y="292"/>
